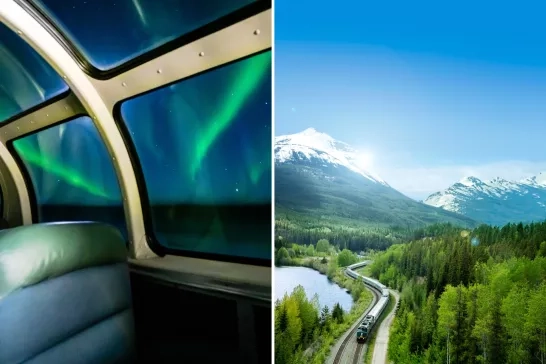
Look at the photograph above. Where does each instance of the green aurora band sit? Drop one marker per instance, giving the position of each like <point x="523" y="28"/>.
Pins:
<point x="30" y="155"/>
<point x="243" y="85"/>
<point x="254" y="69"/>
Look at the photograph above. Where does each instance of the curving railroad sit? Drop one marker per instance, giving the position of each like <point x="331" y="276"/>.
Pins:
<point x="353" y="344"/>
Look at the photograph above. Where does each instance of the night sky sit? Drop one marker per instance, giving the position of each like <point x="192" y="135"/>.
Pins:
<point x="26" y="80"/>
<point x="213" y="132"/>
<point x="133" y="26"/>
<point x="204" y="145"/>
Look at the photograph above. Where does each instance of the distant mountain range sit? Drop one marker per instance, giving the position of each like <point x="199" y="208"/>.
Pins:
<point x="495" y="202"/>
<point x="317" y="179"/>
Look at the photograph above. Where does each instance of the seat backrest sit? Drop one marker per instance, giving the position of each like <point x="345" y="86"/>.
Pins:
<point x="65" y="295"/>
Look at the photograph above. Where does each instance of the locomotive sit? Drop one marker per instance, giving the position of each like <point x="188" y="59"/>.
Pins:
<point x="366" y="326"/>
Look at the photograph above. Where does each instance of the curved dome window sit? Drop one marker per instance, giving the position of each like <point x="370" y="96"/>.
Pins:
<point x="72" y="174"/>
<point x="26" y="80"/>
<point x="204" y="144"/>
<point x="109" y="33"/>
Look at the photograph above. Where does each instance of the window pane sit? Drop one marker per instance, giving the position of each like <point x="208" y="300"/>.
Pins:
<point x="26" y="80"/>
<point x="117" y="31"/>
<point x="205" y="148"/>
<point x="72" y="173"/>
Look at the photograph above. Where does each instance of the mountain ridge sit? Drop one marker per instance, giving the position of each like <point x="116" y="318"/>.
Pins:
<point x="497" y="201"/>
<point x="311" y="143"/>
<point x="316" y="175"/>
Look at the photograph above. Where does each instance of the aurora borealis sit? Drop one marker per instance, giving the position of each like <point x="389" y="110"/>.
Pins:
<point x="195" y="145"/>
<point x="204" y="145"/>
<point x="215" y="132"/>
<point x="26" y="80"/>
<point x="244" y="82"/>
<point x="69" y="165"/>
<point x="115" y="34"/>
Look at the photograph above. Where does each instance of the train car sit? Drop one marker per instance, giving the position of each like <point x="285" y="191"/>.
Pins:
<point x="359" y="264"/>
<point x="363" y="332"/>
<point x="379" y="307"/>
<point x="367" y="320"/>
<point x="352" y="274"/>
<point x="366" y="326"/>
<point x="374" y="283"/>
<point x="135" y="181"/>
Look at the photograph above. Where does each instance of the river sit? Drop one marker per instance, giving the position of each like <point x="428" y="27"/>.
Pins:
<point x="287" y="278"/>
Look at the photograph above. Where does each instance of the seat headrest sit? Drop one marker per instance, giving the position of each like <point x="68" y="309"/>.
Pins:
<point x="33" y="253"/>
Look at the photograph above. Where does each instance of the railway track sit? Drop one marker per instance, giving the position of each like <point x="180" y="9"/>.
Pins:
<point x="360" y="346"/>
<point x="352" y="334"/>
<point x="358" y="351"/>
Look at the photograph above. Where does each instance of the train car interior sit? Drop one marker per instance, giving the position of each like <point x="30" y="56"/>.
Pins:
<point x="135" y="178"/>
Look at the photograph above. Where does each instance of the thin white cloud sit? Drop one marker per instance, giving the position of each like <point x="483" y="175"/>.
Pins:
<point x="420" y="182"/>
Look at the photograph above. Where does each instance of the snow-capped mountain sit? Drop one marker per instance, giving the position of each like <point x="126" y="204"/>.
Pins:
<point x="497" y="201"/>
<point x="316" y="175"/>
<point x="320" y="148"/>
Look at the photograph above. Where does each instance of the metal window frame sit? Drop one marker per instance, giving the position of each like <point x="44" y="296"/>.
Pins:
<point x="39" y="13"/>
<point x="98" y="99"/>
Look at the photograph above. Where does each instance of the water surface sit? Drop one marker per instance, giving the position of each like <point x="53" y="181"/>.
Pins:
<point x="287" y="278"/>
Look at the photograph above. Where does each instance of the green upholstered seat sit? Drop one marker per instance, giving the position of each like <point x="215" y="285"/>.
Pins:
<point x="33" y="253"/>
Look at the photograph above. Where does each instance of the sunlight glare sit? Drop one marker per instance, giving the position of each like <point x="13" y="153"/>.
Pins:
<point x="364" y="160"/>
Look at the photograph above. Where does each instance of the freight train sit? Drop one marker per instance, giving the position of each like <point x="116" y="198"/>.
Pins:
<point x="366" y="326"/>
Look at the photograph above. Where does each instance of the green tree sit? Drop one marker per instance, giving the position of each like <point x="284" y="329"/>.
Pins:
<point x="346" y="258"/>
<point x="536" y="321"/>
<point x="291" y="253"/>
<point x="429" y="319"/>
<point x="337" y="313"/>
<point x="307" y="312"/>
<point x="514" y="308"/>
<point x="332" y="268"/>
<point x="323" y="246"/>
<point x="282" y="257"/>
<point x="324" y="317"/>
<point x="542" y="250"/>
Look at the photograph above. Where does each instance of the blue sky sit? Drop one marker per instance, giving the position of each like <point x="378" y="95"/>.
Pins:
<point x="433" y="92"/>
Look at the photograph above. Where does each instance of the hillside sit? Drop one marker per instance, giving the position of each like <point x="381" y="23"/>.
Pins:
<point x="495" y="202"/>
<point x="319" y="184"/>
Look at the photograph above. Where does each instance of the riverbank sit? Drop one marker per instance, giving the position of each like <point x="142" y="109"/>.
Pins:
<point x="319" y="350"/>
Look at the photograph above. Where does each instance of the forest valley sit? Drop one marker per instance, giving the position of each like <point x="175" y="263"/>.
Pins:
<point x="466" y="296"/>
<point x="304" y="332"/>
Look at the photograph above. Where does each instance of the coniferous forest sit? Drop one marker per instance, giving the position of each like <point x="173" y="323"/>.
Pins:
<point x="304" y="331"/>
<point x="468" y="296"/>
